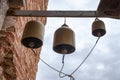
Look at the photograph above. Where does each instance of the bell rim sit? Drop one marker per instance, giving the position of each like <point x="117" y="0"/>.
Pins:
<point x="69" y="51"/>
<point x="38" y="42"/>
<point x="99" y="30"/>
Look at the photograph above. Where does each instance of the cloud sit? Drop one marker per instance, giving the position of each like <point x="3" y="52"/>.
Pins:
<point x="73" y="5"/>
<point x="82" y="5"/>
<point x="103" y="63"/>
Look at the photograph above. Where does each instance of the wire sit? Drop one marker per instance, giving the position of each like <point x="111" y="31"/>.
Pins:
<point x="51" y="66"/>
<point x="61" y="71"/>
<point x="64" y="20"/>
<point x="47" y="63"/>
<point x="71" y="77"/>
<point x="63" y="58"/>
<point x="64" y="74"/>
<point x="86" y="56"/>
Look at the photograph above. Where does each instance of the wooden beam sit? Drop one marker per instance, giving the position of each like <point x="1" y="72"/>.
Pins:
<point x="109" y="8"/>
<point x="3" y="10"/>
<point x="36" y="13"/>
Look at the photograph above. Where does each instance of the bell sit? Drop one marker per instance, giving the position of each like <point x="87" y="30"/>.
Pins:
<point x="33" y="34"/>
<point x="64" y="40"/>
<point x="98" y="28"/>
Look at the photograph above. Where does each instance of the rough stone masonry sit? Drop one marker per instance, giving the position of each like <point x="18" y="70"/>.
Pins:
<point x="16" y="61"/>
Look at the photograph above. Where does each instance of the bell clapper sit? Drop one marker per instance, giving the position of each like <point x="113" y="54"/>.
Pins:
<point x="64" y="51"/>
<point x="31" y="44"/>
<point x="99" y="34"/>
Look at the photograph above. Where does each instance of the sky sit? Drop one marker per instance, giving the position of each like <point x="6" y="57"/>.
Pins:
<point x="102" y="64"/>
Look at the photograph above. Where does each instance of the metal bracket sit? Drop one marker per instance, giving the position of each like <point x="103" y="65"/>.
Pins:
<point x="36" y="13"/>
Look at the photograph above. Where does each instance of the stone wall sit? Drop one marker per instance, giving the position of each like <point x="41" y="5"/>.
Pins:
<point x="16" y="61"/>
<point x="3" y="9"/>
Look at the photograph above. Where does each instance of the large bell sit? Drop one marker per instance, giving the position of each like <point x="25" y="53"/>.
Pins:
<point x="98" y="28"/>
<point x="33" y="34"/>
<point x="64" y="40"/>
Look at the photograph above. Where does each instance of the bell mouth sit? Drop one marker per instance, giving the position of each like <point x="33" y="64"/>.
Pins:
<point x="67" y="47"/>
<point x="99" y="32"/>
<point x="32" y="42"/>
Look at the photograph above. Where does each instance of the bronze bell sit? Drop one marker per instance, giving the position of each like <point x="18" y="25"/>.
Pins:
<point x="98" y="28"/>
<point x="33" y="34"/>
<point x="64" y="40"/>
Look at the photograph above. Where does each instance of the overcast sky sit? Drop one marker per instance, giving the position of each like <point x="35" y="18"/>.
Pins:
<point x="103" y="63"/>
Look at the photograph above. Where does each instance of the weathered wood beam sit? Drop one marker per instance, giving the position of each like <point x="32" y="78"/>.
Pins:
<point x="109" y="8"/>
<point x="3" y="10"/>
<point x="36" y="13"/>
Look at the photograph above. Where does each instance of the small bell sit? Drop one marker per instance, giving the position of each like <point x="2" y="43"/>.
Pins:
<point x="33" y="34"/>
<point x="98" y="28"/>
<point x="64" y="40"/>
